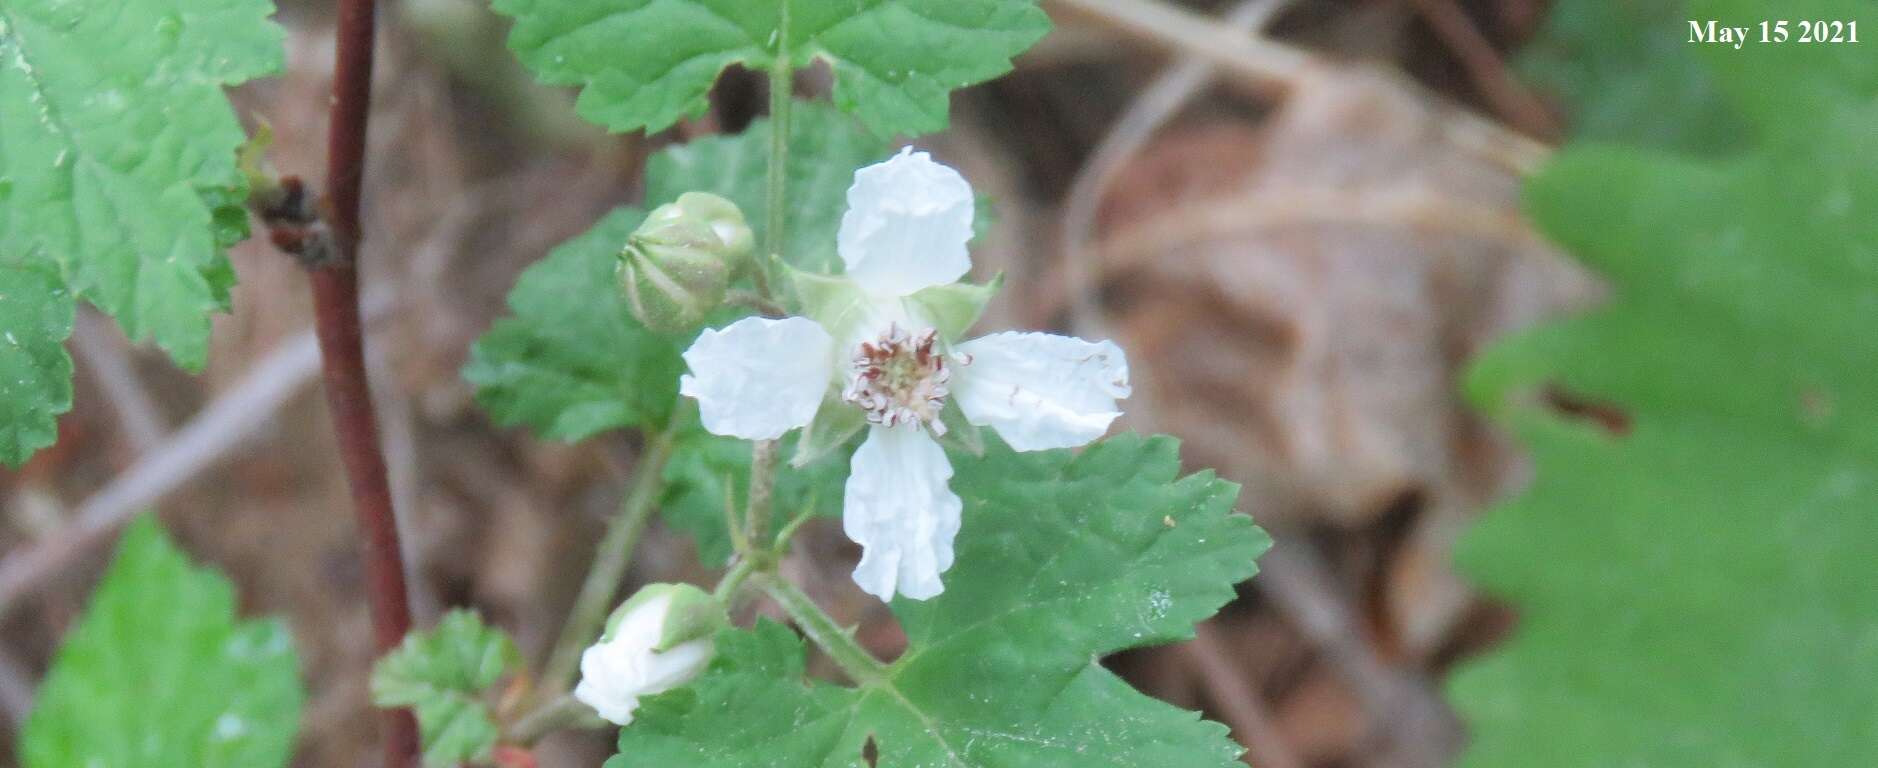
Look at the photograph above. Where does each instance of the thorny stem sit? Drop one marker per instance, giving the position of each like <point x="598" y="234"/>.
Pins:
<point x="611" y="559"/>
<point x="335" y="285"/>
<point x="781" y="94"/>
<point x="821" y="629"/>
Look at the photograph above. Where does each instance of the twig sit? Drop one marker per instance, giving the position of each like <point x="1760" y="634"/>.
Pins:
<point x="214" y="431"/>
<point x="16" y="690"/>
<point x="1423" y="732"/>
<point x="1274" y="68"/>
<point x="1515" y="103"/>
<point x="611" y="559"/>
<point x="335" y="284"/>
<point x="1266" y="64"/>
<point x="105" y="356"/>
<point x="1241" y="707"/>
<point x="1253" y="212"/>
<point x="1138" y="123"/>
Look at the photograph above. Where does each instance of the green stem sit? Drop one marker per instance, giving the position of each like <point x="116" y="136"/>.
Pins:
<point x="781" y="95"/>
<point x="727" y="586"/>
<point x="822" y="630"/>
<point x="560" y="713"/>
<point x="762" y="487"/>
<point x="610" y="560"/>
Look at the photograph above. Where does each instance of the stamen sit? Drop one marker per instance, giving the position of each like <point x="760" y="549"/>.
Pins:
<point x="901" y="379"/>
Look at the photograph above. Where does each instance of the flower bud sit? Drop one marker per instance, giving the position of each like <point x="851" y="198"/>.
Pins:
<point x="676" y="267"/>
<point x="657" y="640"/>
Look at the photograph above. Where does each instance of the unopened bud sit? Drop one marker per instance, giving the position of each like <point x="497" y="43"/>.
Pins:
<point x="657" y="640"/>
<point x="676" y="267"/>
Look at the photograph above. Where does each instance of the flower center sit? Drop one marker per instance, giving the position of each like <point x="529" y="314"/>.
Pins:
<point x="900" y="379"/>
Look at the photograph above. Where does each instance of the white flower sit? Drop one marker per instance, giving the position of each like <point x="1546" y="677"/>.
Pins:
<point x="625" y="664"/>
<point x="906" y="228"/>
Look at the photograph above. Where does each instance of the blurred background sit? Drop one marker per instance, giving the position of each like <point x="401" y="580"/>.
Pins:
<point x="1299" y="247"/>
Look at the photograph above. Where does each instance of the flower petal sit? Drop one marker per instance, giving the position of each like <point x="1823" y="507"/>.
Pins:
<point x="1041" y="390"/>
<point x="603" y="688"/>
<point x="758" y="378"/>
<point x="899" y="509"/>
<point x="907" y="224"/>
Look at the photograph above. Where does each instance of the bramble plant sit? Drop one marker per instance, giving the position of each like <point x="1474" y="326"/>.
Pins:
<point x="793" y="292"/>
<point x="785" y="322"/>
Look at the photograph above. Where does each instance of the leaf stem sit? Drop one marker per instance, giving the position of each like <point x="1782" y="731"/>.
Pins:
<point x="610" y="561"/>
<point x="335" y="286"/>
<point x="821" y="629"/>
<point x="781" y="95"/>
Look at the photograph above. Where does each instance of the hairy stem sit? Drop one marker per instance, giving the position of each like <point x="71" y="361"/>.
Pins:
<point x="335" y="285"/>
<point x="560" y="713"/>
<point x="821" y="629"/>
<point x="733" y="579"/>
<point x="756" y="301"/>
<point x="762" y="487"/>
<point x="610" y="561"/>
<point x="781" y="95"/>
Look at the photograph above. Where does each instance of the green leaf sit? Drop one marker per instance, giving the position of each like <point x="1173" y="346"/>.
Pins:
<point x="647" y="63"/>
<point x="444" y="675"/>
<point x="572" y="361"/>
<point x="825" y="148"/>
<point x="1062" y="558"/>
<point x="117" y="173"/>
<point x="1625" y="72"/>
<point x="708" y="474"/>
<point x="1695" y="590"/>
<point x="35" y="372"/>
<point x="160" y="674"/>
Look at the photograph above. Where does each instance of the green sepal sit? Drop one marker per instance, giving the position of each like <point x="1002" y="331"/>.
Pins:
<point x="834" y="425"/>
<point x="961" y="434"/>
<point x="832" y="301"/>
<point x="692" y="614"/>
<point x="954" y="308"/>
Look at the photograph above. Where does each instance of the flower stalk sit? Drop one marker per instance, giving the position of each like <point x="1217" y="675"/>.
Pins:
<point x="611" y="559"/>
<point x="781" y="95"/>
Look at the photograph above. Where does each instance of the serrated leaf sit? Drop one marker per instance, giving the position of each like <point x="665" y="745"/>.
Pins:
<point x="1693" y="591"/>
<point x="572" y="361"/>
<point x="35" y="372"/>
<point x="160" y="674"/>
<point x="117" y="171"/>
<point x="825" y="148"/>
<point x="647" y="63"/>
<point x="444" y="675"/>
<point x="1062" y="558"/>
<point x="1625" y="72"/>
